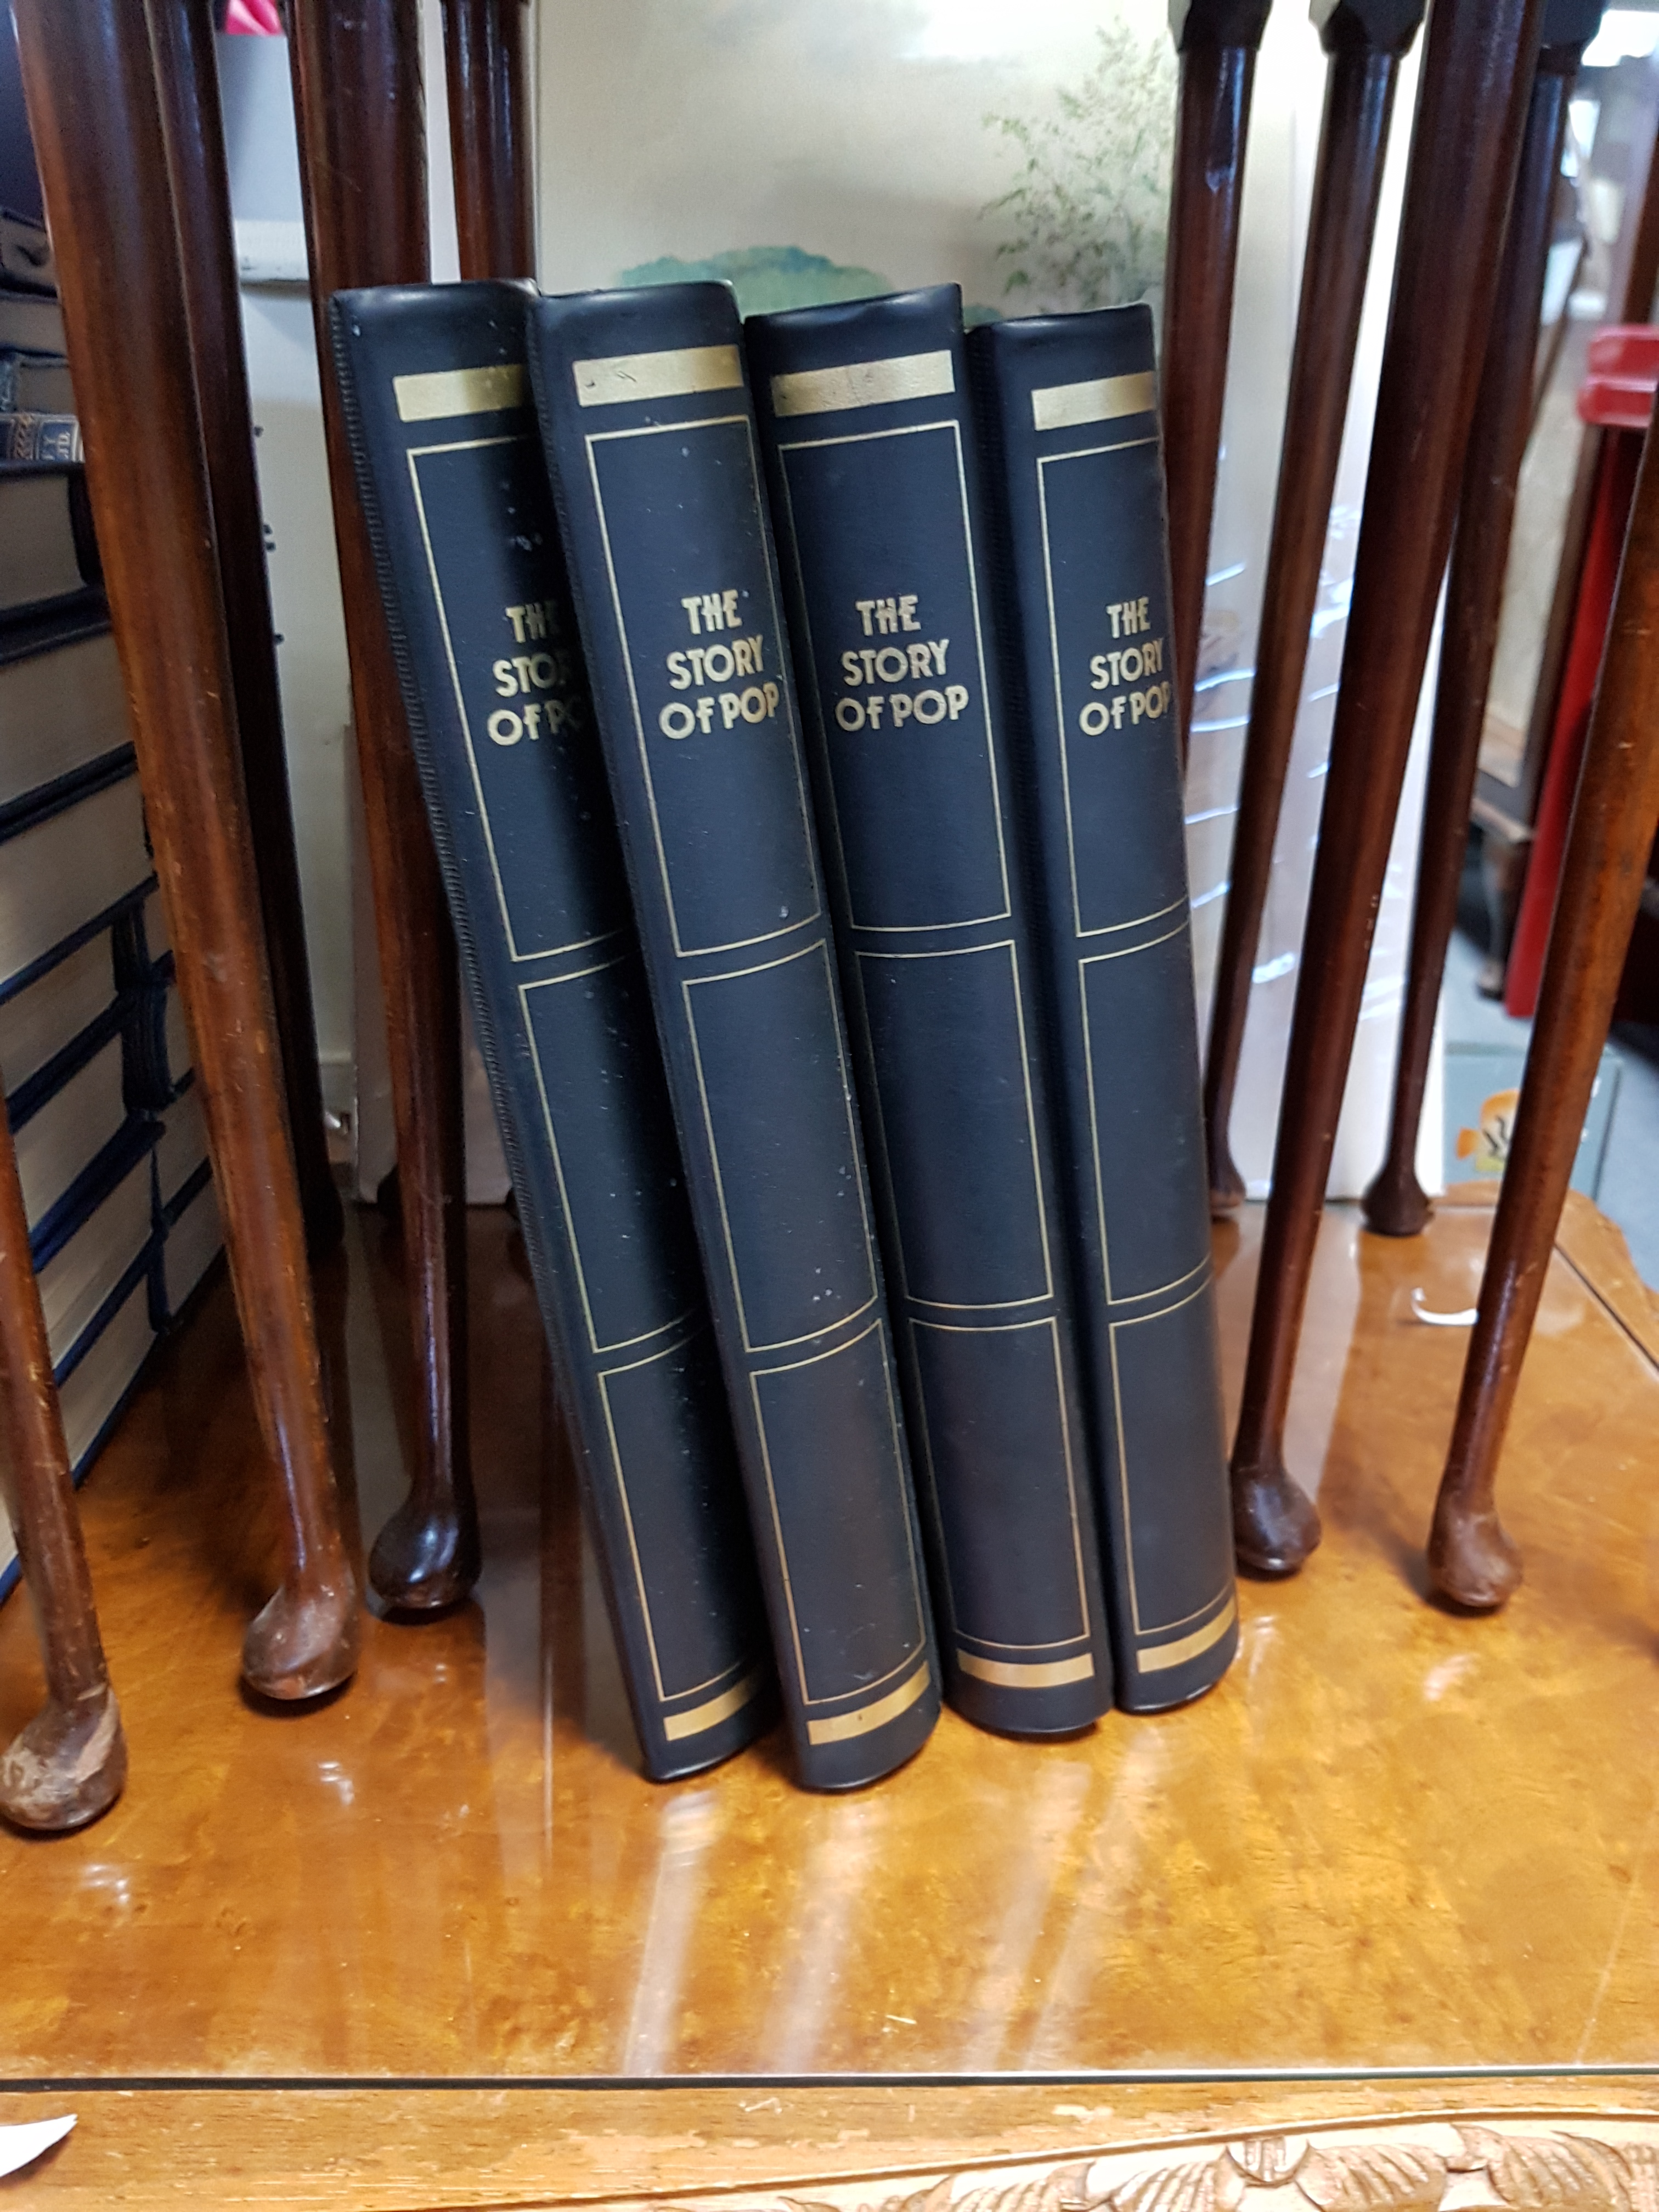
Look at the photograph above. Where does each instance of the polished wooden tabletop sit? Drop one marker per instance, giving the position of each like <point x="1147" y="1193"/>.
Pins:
<point x="1392" y="1839"/>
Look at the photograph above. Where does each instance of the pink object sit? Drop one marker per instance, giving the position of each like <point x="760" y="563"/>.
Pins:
<point x="254" y="18"/>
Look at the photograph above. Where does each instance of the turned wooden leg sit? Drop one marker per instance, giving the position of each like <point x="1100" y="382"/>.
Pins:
<point x="1365" y="42"/>
<point x="1217" y="39"/>
<point x="181" y="37"/>
<point x="1477" y="71"/>
<point x="88" y="80"/>
<point x="1472" y="1559"/>
<point x="485" y="62"/>
<point x="362" y="167"/>
<point x="68" y="1766"/>
<point x="1396" y="1205"/>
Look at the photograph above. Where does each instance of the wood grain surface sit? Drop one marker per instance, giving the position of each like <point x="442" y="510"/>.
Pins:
<point x="1218" y="42"/>
<point x="1477" y="73"/>
<point x="359" y="107"/>
<point x="486" y="65"/>
<point x="1391" y="1837"/>
<point x="1395" y="1203"/>
<point x="1472" y="1558"/>
<point x="181" y="37"/>
<point x="1353" y="140"/>
<point x="92" y="104"/>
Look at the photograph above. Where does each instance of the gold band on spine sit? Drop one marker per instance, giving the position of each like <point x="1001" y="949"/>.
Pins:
<point x="619" y="376"/>
<point x="1102" y="399"/>
<point x="847" y="1725"/>
<point x="1188" y="1647"/>
<point x="676" y="1726"/>
<point x="444" y="391"/>
<point x="863" y="383"/>
<point x="1010" y="1675"/>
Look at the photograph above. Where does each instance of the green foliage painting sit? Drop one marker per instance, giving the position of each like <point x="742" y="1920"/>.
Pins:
<point x="767" y="278"/>
<point x="1087" y="217"/>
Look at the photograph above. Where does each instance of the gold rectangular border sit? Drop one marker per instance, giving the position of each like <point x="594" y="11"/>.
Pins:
<point x="593" y="442"/>
<point x="829" y="819"/>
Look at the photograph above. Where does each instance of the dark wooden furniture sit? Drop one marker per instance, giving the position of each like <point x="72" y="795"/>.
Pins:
<point x="485" y="66"/>
<point x="1217" y="40"/>
<point x="1472" y="1558"/>
<point x="1477" y="69"/>
<point x="363" y="164"/>
<point x="89" y="76"/>
<point x="69" y="1764"/>
<point x="1365" y="41"/>
<point x="1395" y="1204"/>
<point x="188" y="82"/>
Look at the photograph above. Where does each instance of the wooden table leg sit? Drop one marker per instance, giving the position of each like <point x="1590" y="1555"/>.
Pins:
<point x="362" y="167"/>
<point x="68" y="1766"/>
<point x="182" y="35"/>
<point x="485" y="64"/>
<point x="1365" y="41"/>
<point x="90" y="83"/>
<point x="1477" y="71"/>
<point x="1472" y="1558"/>
<point x="1396" y="1204"/>
<point x="1217" y="40"/>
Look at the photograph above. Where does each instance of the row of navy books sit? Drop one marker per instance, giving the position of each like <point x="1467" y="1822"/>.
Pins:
<point x="795" y="713"/>
<point x="110" y="1149"/>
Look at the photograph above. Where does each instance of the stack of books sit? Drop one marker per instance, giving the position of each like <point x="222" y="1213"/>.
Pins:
<point x="794" y="708"/>
<point x="36" y="403"/>
<point x="93" y="1060"/>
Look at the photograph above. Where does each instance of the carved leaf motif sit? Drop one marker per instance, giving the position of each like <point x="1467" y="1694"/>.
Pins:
<point x="1269" y="2160"/>
<point x="1380" y="2178"/>
<point x="1193" y="2187"/>
<point x="1553" y="2173"/>
<point x="1641" y="2164"/>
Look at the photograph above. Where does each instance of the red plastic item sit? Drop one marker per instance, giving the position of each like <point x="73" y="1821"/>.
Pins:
<point x="1616" y="396"/>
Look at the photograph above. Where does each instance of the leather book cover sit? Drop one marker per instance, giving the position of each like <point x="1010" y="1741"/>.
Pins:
<point x="450" y="468"/>
<point x="865" y="422"/>
<point x="1074" y="468"/>
<point x="651" y="440"/>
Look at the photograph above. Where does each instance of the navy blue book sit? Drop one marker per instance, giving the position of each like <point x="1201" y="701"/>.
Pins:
<point x="866" y="423"/>
<point x="450" y="468"/>
<point x="1075" y="469"/>
<point x="650" y="437"/>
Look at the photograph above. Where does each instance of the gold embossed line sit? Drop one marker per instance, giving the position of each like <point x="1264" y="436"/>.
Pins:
<point x="1031" y="1674"/>
<point x="867" y="1719"/>
<point x="863" y="383"/>
<point x="1101" y="399"/>
<point x="676" y="1726"/>
<point x="1162" y="1656"/>
<point x="490" y="391"/>
<point x="670" y="375"/>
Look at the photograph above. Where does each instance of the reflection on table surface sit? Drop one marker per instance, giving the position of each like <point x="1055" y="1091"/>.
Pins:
<point x="1391" y="1838"/>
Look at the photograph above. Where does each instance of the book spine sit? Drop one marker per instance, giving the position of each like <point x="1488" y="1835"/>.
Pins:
<point x="1076" y="471"/>
<point x="864" y="422"/>
<point x="649" y="431"/>
<point x="39" y="438"/>
<point x="455" y="493"/>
